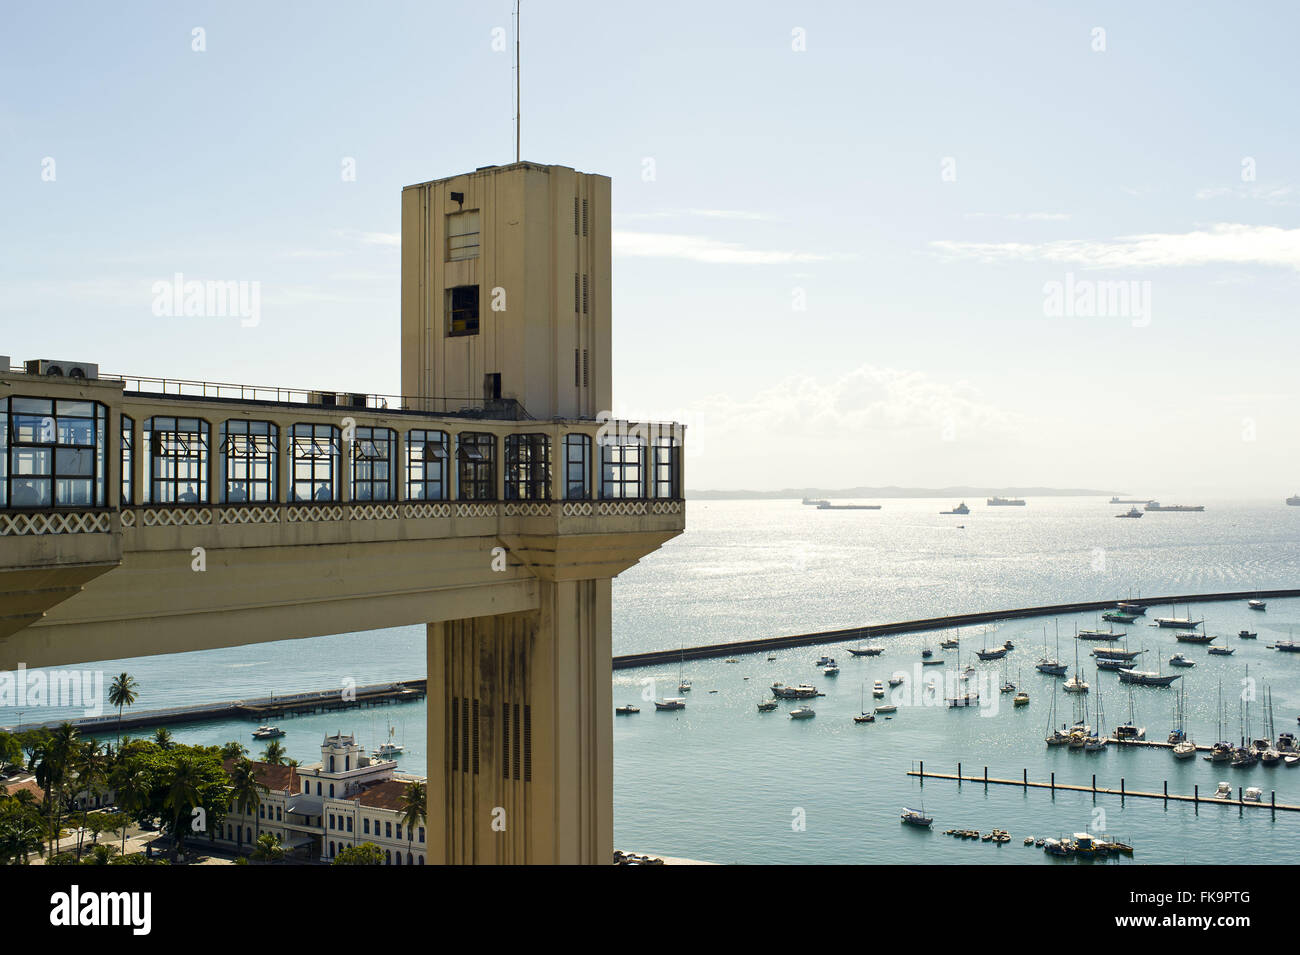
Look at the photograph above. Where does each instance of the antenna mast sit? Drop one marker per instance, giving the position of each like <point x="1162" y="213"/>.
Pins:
<point x="518" y="85"/>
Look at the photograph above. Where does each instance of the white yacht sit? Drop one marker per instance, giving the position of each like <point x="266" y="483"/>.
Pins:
<point x="804" y="712"/>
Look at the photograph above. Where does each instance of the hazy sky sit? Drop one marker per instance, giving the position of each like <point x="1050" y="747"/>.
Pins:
<point x="837" y="225"/>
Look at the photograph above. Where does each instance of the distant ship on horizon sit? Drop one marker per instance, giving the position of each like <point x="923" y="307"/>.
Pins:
<point x="1157" y="506"/>
<point x="1005" y="502"/>
<point x="1130" y="500"/>
<point x="1294" y="500"/>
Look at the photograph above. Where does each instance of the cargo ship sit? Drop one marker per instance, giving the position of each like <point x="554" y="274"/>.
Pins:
<point x="959" y="509"/>
<point x="1157" y="506"/>
<point x="1005" y="502"/>
<point x="828" y="506"/>
<point x="1294" y="500"/>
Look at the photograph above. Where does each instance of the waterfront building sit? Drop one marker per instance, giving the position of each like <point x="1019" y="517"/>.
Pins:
<point x="320" y="809"/>
<point x="492" y="502"/>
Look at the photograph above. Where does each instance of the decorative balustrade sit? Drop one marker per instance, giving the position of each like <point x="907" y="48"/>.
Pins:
<point x="21" y="523"/>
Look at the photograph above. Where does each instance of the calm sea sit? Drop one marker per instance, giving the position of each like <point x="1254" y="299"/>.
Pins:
<point x="722" y="782"/>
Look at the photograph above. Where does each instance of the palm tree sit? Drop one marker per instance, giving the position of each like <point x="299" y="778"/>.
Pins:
<point x="91" y="769"/>
<point x="412" y="811"/>
<point x="122" y="693"/>
<point x="100" y="855"/>
<point x="274" y="753"/>
<point x="247" y="792"/>
<point x="234" y="750"/>
<point x="182" y="795"/>
<point x="132" y="788"/>
<point x="162" y="737"/>
<point x="53" y="759"/>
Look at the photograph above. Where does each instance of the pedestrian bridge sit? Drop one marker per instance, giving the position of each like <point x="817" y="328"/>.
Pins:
<point x="142" y="516"/>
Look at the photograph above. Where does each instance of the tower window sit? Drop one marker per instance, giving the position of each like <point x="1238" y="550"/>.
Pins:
<point x="575" y="215"/>
<point x="584" y="295"/>
<point x="462" y="235"/>
<point x="462" y="310"/>
<point x="584" y="216"/>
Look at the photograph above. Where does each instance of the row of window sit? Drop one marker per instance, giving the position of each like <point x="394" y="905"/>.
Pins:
<point x="390" y="858"/>
<point x="52" y="454"/>
<point x="340" y="821"/>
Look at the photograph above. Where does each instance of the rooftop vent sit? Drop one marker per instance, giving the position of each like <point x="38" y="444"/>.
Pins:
<point x="55" y="368"/>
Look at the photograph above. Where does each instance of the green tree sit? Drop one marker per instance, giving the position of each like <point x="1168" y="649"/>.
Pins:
<point x="273" y="755"/>
<point x="413" y="802"/>
<point x="11" y="750"/>
<point x="54" y="761"/>
<point x="268" y="848"/>
<point x="162" y="737"/>
<point x="246" y="792"/>
<point x="182" y="798"/>
<point x="131" y="787"/>
<point x="101" y="855"/>
<point x="122" y="692"/>
<point x="234" y="750"/>
<point x="365" y="854"/>
<point x="91" y="768"/>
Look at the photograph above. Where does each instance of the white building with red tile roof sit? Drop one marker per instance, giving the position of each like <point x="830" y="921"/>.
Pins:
<point x="318" y="810"/>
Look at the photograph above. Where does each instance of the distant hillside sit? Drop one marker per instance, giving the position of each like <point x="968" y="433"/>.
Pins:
<point x="877" y="492"/>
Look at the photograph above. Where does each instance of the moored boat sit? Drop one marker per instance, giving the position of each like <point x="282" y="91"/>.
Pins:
<point x="671" y="703"/>
<point x="914" y="818"/>
<point x="627" y="710"/>
<point x="804" y="712"/>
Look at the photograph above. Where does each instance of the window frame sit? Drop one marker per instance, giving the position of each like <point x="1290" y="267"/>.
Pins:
<point x="183" y="443"/>
<point x="251" y="456"/>
<point x="421" y="458"/>
<point x="475" y="470"/>
<point x="82" y="440"/>
<point x="466" y="325"/>
<point x="315" y="459"/>
<point x="528" y="467"/>
<point x="371" y="472"/>
<point x="579" y="465"/>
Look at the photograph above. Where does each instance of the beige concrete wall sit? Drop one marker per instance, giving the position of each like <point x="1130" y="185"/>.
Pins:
<point x="551" y="804"/>
<point x="529" y="250"/>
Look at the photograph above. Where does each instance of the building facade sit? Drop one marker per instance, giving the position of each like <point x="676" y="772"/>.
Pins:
<point x="493" y="501"/>
<point x="318" y="810"/>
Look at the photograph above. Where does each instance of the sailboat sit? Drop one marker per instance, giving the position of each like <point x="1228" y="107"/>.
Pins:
<point x="1130" y="731"/>
<point x="1022" y="697"/>
<point x="1184" y="748"/>
<point x="1055" y="737"/>
<point x="1076" y="683"/>
<point x="391" y="748"/>
<point x="1269" y="756"/>
<point x="1097" y="741"/>
<point x="864" y="716"/>
<point x="1007" y="685"/>
<point x="1220" y="752"/>
<point x="1054" y="666"/>
<point x="683" y="684"/>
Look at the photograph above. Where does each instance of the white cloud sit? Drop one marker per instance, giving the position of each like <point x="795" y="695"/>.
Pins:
<point x="695" y="248"/>
<point x="705" y="214"/>
<point x="1272" y="195"/>
<point x="1021" y="216"/>
<point x="1228" y="243"/>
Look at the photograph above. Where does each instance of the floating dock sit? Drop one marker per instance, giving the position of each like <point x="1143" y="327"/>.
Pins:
<point x="1123" y="792"/>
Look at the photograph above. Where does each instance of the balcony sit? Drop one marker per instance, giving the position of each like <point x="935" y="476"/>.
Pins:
<point x="111" y="498"/>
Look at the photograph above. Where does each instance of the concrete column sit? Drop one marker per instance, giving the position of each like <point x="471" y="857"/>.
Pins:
<point x="520" y="733"/>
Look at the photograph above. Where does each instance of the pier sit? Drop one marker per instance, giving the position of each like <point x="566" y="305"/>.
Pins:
<point x="1025" y="783"/>
<point x="654" y="657"/>
<point x="259" y="709"/>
